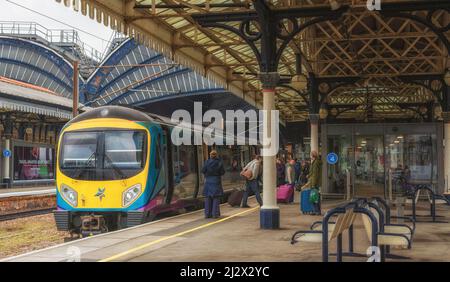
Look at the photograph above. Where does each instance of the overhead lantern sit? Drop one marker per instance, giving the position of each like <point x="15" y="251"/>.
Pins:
<point x="299" y="81"/>
<point x="447" y="77"/>
<point x="334" y="5"/>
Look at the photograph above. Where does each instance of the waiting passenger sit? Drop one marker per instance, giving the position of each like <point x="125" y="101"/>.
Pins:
<point x="290" y="172"/>
<point x="315" y="179"/>
<point x="213" y="170"/>
<point x="280" y="172"/>
<point x="251" y="173"/>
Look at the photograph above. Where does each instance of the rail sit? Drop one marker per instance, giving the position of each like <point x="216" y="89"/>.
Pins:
<point x="54" y="36"/>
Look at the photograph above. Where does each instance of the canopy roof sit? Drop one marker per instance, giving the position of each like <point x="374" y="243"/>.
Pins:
<point x="377" y="49"/>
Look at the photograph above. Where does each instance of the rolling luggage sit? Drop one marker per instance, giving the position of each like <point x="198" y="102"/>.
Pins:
<point x="235" y="199"/>
<point x="306" y="207"/>
<point x="285" y="193"/>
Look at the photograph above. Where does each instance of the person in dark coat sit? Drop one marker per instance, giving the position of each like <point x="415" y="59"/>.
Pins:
<point x="280" y="172"/>
<point x="213" y="170"/>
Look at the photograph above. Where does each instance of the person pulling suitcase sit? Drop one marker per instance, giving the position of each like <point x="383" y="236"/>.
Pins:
<point x="310" y="196"/>
<point x="251" y="173"/>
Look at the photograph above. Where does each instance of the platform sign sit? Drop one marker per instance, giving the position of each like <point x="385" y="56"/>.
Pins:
<point x="332" y="158"/>
<point x="6" y="153"/>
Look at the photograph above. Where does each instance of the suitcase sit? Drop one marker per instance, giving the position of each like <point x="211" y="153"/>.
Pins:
<point x="235" y="198"/>
<point x="306" y="207"/>
<point x="284" y="193"/>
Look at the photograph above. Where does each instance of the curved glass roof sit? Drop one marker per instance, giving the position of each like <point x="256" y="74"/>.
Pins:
<point x="135" y="75"/>
<point x="36" y="64"/>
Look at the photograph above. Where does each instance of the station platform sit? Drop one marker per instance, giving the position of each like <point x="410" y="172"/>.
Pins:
<point x="234" y="237"/>
<point x="28" y="191"/>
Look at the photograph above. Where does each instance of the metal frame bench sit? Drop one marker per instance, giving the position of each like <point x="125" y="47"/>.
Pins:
<point x="344" y="219"/>
<point x="433" y="199"/>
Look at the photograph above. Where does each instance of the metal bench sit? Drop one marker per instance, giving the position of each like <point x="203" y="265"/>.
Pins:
<point x="433" y="199"/>
<point x="330" y="230"/>
<point x="387" y="234"/>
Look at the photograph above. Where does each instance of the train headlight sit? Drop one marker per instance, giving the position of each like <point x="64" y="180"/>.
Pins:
<point x="131" y="194"/>
<point x="70" y="195"/>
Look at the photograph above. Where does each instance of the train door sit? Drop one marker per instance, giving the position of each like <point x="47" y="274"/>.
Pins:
<point x="159" y="164"/>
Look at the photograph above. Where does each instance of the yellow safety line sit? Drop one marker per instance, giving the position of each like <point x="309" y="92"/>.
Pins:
<point x="174" y="235"/>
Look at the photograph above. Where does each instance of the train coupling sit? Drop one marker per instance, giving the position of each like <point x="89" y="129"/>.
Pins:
<point x="93" y="225"/>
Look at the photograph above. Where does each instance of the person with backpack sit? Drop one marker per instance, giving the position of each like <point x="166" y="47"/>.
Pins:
<point x="213" y="170"/>
<point x="251" y="173"/>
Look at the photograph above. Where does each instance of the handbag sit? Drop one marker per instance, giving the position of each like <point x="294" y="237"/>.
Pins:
<point x="248" y="174"/>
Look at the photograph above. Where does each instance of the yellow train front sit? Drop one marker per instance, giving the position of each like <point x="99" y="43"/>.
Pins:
<point x="110" y="170"/>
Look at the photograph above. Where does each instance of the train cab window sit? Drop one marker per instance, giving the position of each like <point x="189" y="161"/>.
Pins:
<point x="124" y="149"/>
<point x="103" y="155"/>
<point x="79" y="150"/>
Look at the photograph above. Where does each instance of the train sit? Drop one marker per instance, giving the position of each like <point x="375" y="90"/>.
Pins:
<point x="117" y="167"/>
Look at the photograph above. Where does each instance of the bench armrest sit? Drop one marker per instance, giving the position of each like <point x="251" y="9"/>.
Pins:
<point x="407" y="218"/>
<point x="397" y="235"/>
<point x="319" y="223"/>
<point x="293" y="241"/>
<point x="402" y="225"/>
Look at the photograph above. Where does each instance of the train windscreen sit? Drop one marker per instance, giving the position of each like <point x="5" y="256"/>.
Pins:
<point x="103" y="155"/>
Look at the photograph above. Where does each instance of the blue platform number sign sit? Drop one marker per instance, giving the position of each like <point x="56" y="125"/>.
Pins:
<point x="332" y="158"/>
<point x="6" y="153"/>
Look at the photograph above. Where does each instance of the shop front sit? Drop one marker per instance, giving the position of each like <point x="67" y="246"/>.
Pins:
<point x="33" y="164"/>
<point x="382" y="159"/>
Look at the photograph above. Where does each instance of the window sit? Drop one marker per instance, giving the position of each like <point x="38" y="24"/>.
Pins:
<point x="103" y="155"/>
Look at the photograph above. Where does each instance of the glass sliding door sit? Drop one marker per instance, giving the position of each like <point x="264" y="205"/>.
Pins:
<point x="369" y="166"/>
<point x="411" y="158"/>
<point x="337" y="173"/>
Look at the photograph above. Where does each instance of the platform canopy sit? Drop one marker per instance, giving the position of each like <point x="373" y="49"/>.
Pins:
<point x="365" y="65"/>
<point x="138" y="76"/>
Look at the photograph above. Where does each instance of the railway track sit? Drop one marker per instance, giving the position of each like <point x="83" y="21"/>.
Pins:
<point x="24" y="214"/>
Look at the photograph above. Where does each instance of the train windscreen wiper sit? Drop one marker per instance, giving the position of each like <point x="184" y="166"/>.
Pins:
<point x="116" y="169"/>
<point x="80" y="170"/>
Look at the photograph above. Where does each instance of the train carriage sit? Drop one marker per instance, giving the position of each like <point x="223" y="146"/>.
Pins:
<point x="118" y="168"/>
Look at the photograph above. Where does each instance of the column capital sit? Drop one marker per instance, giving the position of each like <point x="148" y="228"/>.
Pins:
<point x="269" y="80"/>
<point x="314" y="118"/>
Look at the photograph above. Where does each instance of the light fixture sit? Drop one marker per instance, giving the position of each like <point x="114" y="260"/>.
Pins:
<point x="323" y="111"/>
<point x="334" y="5"/>
<point x="447" y="77"/>
<point x="397" y="142"/>
<point x="299" y="82"/>
<point x="400" y="137"/>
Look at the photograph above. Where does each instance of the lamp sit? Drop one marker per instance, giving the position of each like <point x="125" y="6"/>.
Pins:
<point x="299" y="82"/>
<point x="334" y="5"/>
<point x="447" y="77"/>
<point x="323" y="111"/>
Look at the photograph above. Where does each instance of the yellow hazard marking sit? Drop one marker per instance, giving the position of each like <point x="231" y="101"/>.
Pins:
<point x="146" y="245"/>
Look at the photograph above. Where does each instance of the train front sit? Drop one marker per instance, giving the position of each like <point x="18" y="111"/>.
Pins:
<point x="102" y="171"/>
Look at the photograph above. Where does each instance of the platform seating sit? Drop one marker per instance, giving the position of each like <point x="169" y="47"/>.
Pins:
<point x="399" y="235"/>
<point x="433" y="198"/>
<point x="329" y="231"/>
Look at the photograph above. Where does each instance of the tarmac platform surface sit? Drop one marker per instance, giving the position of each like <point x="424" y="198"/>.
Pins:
<point x="236" y="237"/>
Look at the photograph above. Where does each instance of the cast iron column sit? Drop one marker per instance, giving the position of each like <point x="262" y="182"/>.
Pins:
<point x="8" y="130"/>
<point x="314" y="105"/>
<point x="270" y="212"/>
<point x="446" y="118"/>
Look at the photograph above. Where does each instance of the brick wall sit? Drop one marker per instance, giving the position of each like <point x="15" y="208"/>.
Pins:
<point x="27" y="203"/>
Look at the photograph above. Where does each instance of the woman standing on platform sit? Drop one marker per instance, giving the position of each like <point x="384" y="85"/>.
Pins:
<point x="213" y="170"/>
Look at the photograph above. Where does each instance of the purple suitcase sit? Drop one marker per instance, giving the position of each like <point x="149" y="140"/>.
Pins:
<point x="284" y="193"/>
